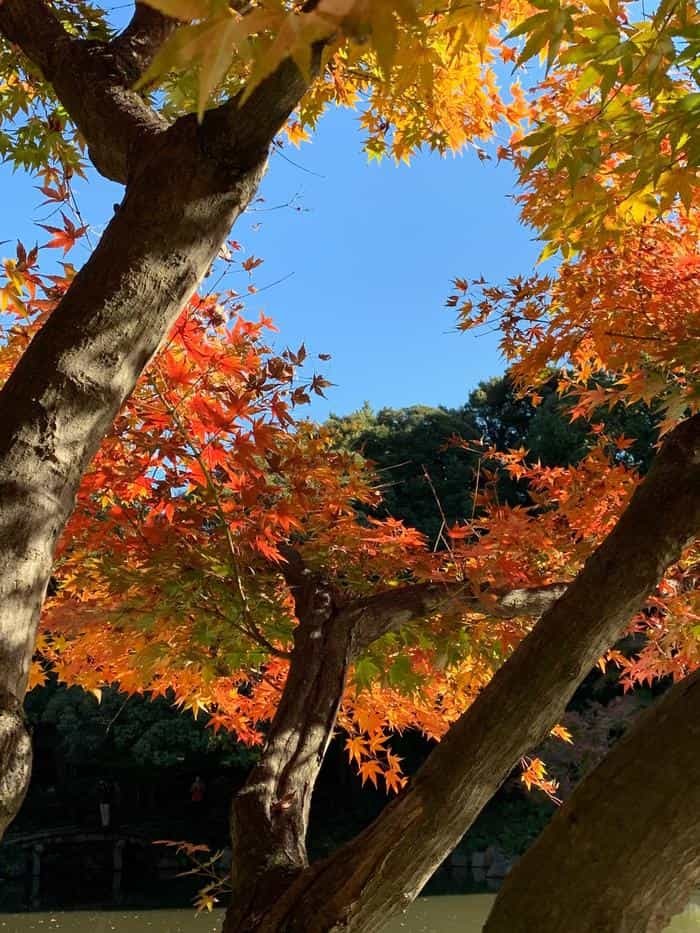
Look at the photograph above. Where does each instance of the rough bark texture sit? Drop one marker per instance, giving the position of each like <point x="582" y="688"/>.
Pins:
<point x="185" y="186"/>
<point x="270" y="815"/>
<point x="138" y="44"/>
<point x="92" y="80"/>
<point x="623" y="854"/>
<point x="16" y="757"/>
<point x="385" y="867"/>
<point x="385" y="612"/>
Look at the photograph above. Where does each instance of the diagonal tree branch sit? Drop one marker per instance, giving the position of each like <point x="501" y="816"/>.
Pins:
<point x="248" y="126"/>
<point x="235" y="130"/>
<point x="369" y="617"/>
<point x="94" y="82"/>
<point x="384" y="868"/>
<point x="32" y="26"/>
<point x="385" y="612"/>
<point x="635" y="818"/>
<point x="91" y="80"/>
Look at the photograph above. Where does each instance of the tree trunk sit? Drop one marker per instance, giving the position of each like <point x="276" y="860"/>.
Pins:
<point x="384" y="868"/>
<point x="623" y="854"/>
<point x="186" y="184"/>
<point x="269" y="817"/>
<point x="65" y="391"/>
<point x="270" y="814"/>
<point x="16" y="756"/>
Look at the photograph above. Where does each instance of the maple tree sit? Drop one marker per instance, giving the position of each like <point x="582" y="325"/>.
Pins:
<point x="171" y="578"/>
<point x="212" y="545"/>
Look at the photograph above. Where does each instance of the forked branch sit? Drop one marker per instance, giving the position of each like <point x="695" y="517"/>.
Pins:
<point x="91" y="81"/>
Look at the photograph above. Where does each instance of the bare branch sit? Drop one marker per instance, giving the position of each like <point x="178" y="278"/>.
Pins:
<point x="376" y="615"/>
<point x="532" y="601"/>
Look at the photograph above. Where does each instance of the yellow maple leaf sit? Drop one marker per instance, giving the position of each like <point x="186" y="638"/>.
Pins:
<point x="561" y="732"/>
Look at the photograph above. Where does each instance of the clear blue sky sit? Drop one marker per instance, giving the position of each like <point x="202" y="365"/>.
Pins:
<point x="369" y="259"/>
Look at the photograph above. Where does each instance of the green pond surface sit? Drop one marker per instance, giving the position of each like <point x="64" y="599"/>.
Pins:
<point x="464" y="914"/>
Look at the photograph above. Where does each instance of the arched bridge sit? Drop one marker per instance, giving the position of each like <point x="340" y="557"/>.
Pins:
<point x="41" y="841"/>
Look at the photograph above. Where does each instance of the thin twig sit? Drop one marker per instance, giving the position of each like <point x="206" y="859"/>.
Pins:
<point x="440" y="509"/>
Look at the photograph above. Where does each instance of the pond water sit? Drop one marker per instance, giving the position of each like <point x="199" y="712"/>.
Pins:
<point x="464" y="914"/>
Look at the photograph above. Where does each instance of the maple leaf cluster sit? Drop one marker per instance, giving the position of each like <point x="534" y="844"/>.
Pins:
<point x="605" y="139"/>
<point x="624" y="318"/>
<point x="420" y="73"/>
<point x="168" y="578"/>
<point x="614" y="124"/>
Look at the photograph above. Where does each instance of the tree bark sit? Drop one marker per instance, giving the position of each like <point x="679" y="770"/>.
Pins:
<point x="384" y="868"/>
<point x="186" y="185"/>
<point x="93" y="81"/>
<point x="269" y="817"/>
<point x="16" y="756"/>
<point x="388" y="611"/>
<point x="65" y="391"/>
<point x="623" y="854"/>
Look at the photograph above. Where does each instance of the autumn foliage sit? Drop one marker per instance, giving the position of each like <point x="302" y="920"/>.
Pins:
<point x="171" y="575"/>
<point x="168" y="579"/>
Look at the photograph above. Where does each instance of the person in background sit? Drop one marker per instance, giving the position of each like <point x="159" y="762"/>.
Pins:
<point x="104" y="799"/>
<point x="197" y="792"/>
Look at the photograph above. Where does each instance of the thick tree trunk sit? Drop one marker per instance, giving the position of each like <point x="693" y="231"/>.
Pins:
<point x="64" y="393"/>
<point x="270" y="814"/>
<point x="623" y="854"/>
<point x="16" y="756"/>
<point x="186" y="184"/>
<point x="385" y="867"/>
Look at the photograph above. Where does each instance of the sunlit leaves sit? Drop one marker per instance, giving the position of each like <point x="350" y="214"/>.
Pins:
<point x="64" y="237"/>
<point x="535" y="775"/>
<point x="36" y="134"/>
<point x="420" y="71"/>
<point x="626" y="314"/>
<point x="205" y="863"/>
<point x="168" y="577"/>
<point x="561" y="732"/>
<point x="616" y="123"/>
